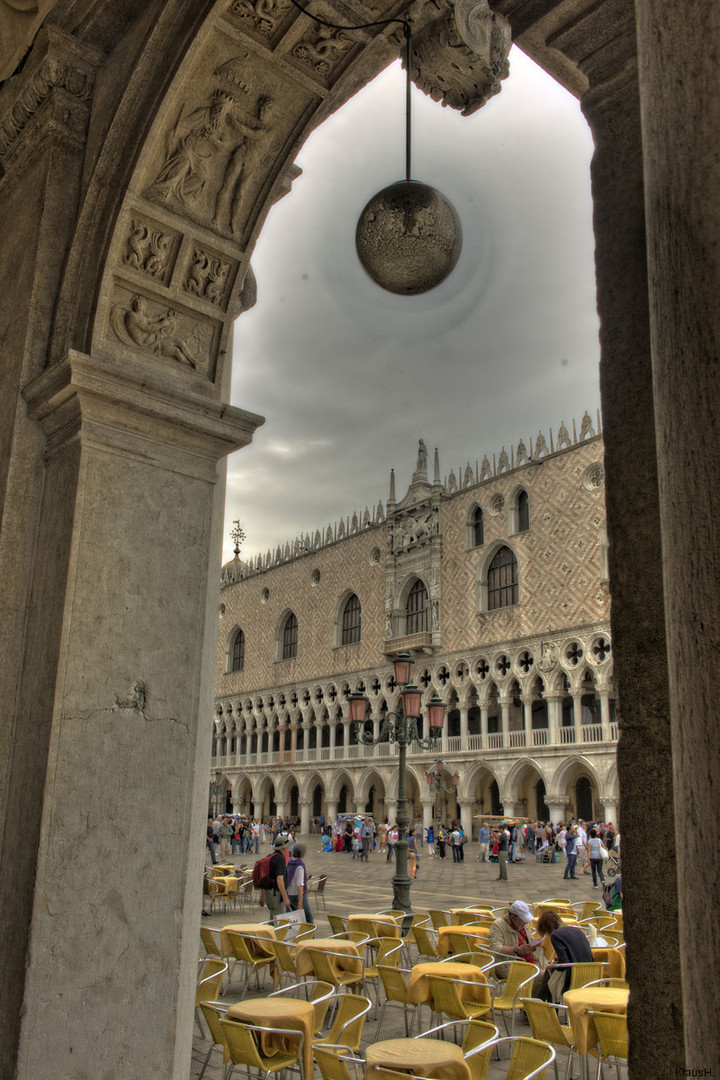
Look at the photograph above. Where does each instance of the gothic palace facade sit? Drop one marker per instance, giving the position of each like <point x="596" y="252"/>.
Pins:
<point x="495" y="580"/>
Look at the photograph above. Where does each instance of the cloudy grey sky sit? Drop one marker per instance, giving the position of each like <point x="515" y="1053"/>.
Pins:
<point x="350" y="377"/>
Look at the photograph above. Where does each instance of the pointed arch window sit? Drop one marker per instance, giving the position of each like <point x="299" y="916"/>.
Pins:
<point x="523" y="511"/>
<point x="502" y="590"/>
<point x="290" y="637"/>
<point x="416" y="611"/>
<point x="237" y="662"/>
<point x="478" y="528"/>
<point x="351" y="621"/>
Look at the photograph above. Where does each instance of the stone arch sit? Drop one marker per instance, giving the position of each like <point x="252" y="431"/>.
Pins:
<point x="563" y="783"/>
<point x="403" y="593"/>
<point x="124" y="109"/>
<point x="372" y="778"/>
<point x="519" y="510"/>
<point x="520" y="787"/>
<point x="336" y="782"/>
<point x="475" y="526"/>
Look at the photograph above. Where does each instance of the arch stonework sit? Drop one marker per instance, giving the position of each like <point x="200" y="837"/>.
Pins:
<point x="135" y="247"/>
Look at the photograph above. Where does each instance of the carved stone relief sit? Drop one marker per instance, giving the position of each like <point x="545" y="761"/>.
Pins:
<point x="209" y="276"/>
<point x="496" y="505"/>
<point x="263" y="19"/>
<point x="461" y="58"/>
<point x="152" y="327"/>
<point x="217" y="147"/>
<point x="414" y="530"/>
<point x="322" y="49"/>
<point x="151" y="249"/>
<point x="594" y="477"/>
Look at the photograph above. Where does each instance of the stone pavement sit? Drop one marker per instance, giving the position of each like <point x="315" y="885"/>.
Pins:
<point x="357" y="886"/>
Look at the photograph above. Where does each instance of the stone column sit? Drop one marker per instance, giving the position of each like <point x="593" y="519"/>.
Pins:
<point x="466" y="821"/>
<point x="612" y="107"/>
<point x="577" y="716"/>
<point x="509" y="809"/>
<point x="259" y="731"/>
<point x="391" y="811"/>
<point x="505" y="711"/>
<point x="133" y="502"/>
<point x="680" y="104"/>
<point x="556" y="806"/>
<point x="305" y="817"/>
<point x="554" y="708"/>
<point x="331" y="812"/>
<point x="464" y="727"/>
<point x="604" y="695"/>
<point x="332" y="739"/>
<point x="484" y="726"/>
<point x="527" y="701"/>
<point x="428" y="813"/>
<point x="293" y="740"/>
<point x="279" y="809"/>
<point x="610" y="808"/>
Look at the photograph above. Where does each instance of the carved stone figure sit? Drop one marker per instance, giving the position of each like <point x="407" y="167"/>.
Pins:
<point x="194" y="141"/>
<point x="240" y="163"/>
<point x="548" y="656"/>
<point x="153" y="333"/>
<point x="207" y="276"/>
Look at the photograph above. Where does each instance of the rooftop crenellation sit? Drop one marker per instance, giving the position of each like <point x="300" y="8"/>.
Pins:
<point x="467" y="476"/>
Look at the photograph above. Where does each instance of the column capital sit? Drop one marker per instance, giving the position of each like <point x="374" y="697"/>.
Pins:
<point x="113" y="409"/>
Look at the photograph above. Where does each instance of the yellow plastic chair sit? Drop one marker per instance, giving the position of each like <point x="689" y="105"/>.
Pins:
<point x="321" y="994"/>
<point x="325" y="970"/>
<point x="218" y="893"/>
<point x="212" y="973"/>
<point x="612" y="1039"/>
<point x="588" y="908"/>
<point x="338" y="923"/>
<point x="336" y="1063"/>
<point x="212" y="1014"/>
<point x="426" y="942"/>
<point x="479" y="1035"/>
<point x="388" y="952"/>
<point x="243" y="1049"/>
<point x="316" y="888"/>
<point x="463" y="943"/>
<point x="285" y="967"/>
<point x="212" y="941"/>
<point x="253" y="960"/>
<point x="348" y="1022"/>
<point x="520" y="976"/>
<point x="447" y="1000"/>
<point x="530" y="1057"/>
<point x="439" y="917"/>
<point x="396" y="995"/>
<point x="584" y="973"/>
<point x="545" y="1025"/>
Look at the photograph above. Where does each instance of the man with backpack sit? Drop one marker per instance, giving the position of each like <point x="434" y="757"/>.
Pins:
<point x="271" y="875"/>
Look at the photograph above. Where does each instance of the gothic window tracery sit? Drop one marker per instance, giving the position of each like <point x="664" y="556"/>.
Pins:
<point x="290" y="637"/>
<point x="238" y="652"/>
<point x="417" y="609"/>
<point x="351" y="621"/>
<point x="502" y="581"/>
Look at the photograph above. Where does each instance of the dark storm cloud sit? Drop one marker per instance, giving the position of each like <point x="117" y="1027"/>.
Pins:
<point x="348" y="376"/>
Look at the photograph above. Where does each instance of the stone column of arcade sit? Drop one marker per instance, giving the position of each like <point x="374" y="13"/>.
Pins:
<point x="678" y="47"/>
<point x="611" y="106"/>
<point x="135" y="497"/>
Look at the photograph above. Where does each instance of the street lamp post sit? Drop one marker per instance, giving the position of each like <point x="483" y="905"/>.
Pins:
<point x="438" y="785"/>
<point x="401" y="727"/>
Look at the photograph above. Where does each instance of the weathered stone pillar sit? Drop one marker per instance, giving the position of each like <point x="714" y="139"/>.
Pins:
<point x="466" y="806"/>
<point x="611" y="105"/>
<point x="305" y="817"/>
<point x="132" y="506"/>
<point x="463" y="727"/>
<point x="680" y="103"/>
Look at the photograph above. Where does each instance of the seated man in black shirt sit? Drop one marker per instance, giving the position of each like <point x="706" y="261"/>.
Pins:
<point x="571" y="947"/>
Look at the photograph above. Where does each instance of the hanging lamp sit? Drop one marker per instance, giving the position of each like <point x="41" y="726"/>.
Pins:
<point x="408" y="237"/>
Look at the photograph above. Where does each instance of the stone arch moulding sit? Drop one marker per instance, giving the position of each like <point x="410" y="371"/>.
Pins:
<point x="469" y="778"/>
<point x="309" y="783"/>
<point x="509" y="789"/>
<point x="190" y="277"/>
<point x="567" y="767"/>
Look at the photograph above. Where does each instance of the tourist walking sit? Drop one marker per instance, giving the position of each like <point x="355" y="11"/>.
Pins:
<point x="570" y="853"/>
<point x="595" y="848"/>
<point x="483" y="841"/>
<point x="502" y="843"/>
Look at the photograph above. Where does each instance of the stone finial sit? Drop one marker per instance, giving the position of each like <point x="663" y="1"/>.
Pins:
<point x="436" y="472"/>
<point x="391" y="496"/>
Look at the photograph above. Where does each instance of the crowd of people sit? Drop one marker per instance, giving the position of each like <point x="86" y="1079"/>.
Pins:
<point x="235" y="834"/>
<point x="583" y="846"/>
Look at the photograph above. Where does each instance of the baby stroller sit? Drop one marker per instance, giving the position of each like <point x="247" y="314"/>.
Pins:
<point x="613" y="864"/>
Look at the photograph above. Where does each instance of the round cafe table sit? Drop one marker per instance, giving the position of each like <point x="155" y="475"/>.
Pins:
<point x="382" y="925"/>
<point x="256" y="931"/>
<point x="436" y="1058"/>
<point x="593" y="999"/>
<point x="291" y="1013"/>
<point x="419" y="983"/>
<point x="477" y="937"/>
<point x="462" y="916"/>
